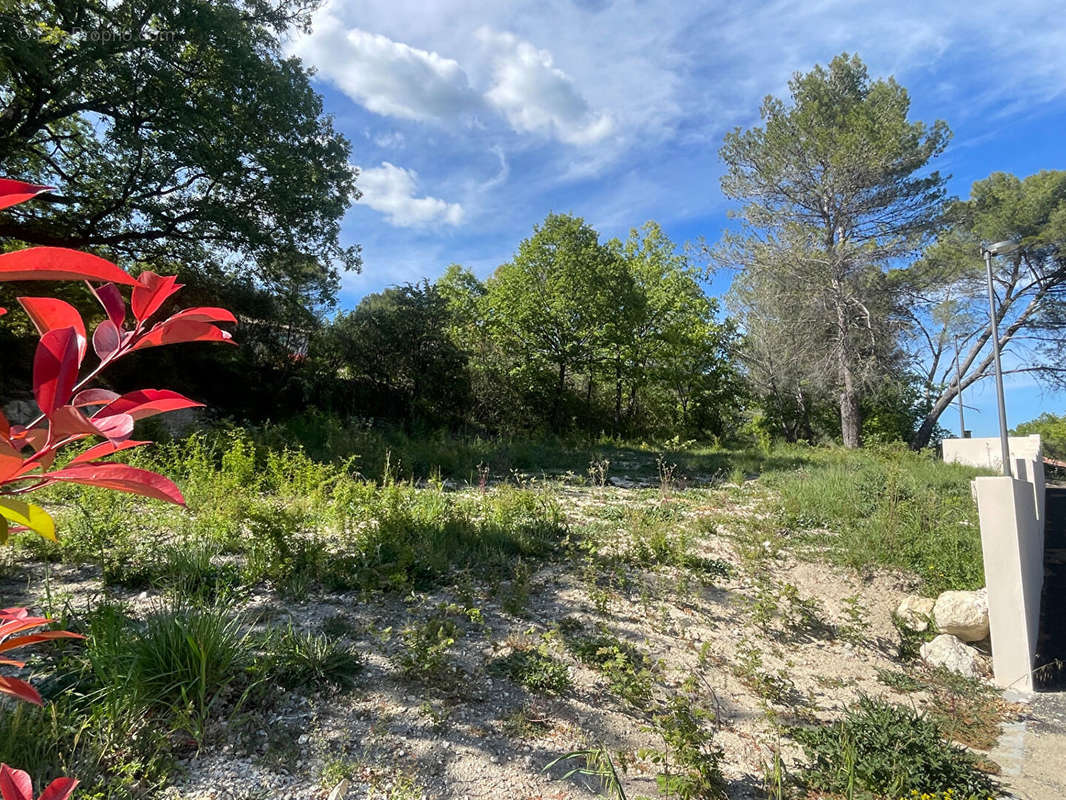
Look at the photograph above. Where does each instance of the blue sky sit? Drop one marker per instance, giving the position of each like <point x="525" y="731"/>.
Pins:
<point x="470" y="121"/>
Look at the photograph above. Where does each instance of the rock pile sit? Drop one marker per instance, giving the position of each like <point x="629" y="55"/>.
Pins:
<point x="960" y="618"/>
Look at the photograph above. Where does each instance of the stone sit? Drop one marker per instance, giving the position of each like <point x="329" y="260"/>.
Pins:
<point x="949" y="652"/>
<point x="914" y="612"/>
<point x="963" y="614"/>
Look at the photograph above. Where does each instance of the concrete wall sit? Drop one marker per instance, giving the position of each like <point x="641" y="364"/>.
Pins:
<point x="1012" y="541"/>
<point x="987" y="453"/>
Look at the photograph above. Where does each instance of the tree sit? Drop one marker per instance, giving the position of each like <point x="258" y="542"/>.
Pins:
<point x="948" y="297"/>
<point x="395" y="345"/>
<point x="834" y="190"/>
<point x="665" y="337"/>
<point x="175" y="132"/>
<point x="1052" y="430"/>
<point x="552" y="304"/>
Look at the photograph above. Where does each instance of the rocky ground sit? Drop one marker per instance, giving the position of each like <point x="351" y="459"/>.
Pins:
<point x="758" y="636"/>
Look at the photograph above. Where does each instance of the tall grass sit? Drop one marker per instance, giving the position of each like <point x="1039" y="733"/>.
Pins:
<point x="887" y="507"/>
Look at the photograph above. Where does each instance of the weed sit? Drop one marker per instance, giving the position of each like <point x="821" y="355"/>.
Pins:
<point x="621" y="663"/>
<point x="667" y="480"/>
<point x="856" y="624"/>
<point x="597" y="471"/>
<point x="516" y="596"/>
<point x="910" y="640"/>
<point x="887" y="750"/>
<point x="747" y="667"/>
<point x="424" y="655"/>
<point x="689" y="762"/>
<point x="525" y="723"/>
<point x="535" y="669"/>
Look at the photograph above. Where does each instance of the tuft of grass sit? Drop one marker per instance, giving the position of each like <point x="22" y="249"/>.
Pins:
<point x="296" y="659"/>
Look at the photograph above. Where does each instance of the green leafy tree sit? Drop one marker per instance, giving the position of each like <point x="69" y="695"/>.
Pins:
<point x="1052" y="430"/>
<point x="668" y="340"/>
<point x="175" y="132"/>
<point x="552" y="305"/>
<point x="394" y="351"/>
<point x="948" y="296"/>
<point x="835" y="189"/>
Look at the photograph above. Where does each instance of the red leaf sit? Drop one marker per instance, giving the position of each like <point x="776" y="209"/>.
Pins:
<point x="68" y="421"/>
<point x="55" y="368"/>
<point x="10" y="461"/>
<point x="59" y="789"/>
<point x="48" y="314"/>
<point x="202" y="314"/>
<point x="111" y="299"/>
<point x="59" y="264"/>
<point x="182" y="331"/>
<point x="107" y="339"/>
<point x="147" y="403"/>
<point x="23" y="623"/>
<point x="104" y="449"/>
<point x="5" y="426"/>
<point x="34" y="638"/>
<point x="94" y="397"/>
<point x="121" y="478"/>
<point x="151" y="292"/>
<point x="23" y="691"/>
<point x="14" y="192"/>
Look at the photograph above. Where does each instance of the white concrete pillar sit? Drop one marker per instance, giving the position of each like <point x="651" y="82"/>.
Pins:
<point x="1012" y="541"/>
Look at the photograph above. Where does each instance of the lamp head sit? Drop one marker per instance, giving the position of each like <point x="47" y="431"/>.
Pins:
<point x="1002" y="248"/>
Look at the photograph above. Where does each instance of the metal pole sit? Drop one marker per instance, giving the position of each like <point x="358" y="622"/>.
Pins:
<point x="958" y="382"/>
<point x="1003" y="442"/>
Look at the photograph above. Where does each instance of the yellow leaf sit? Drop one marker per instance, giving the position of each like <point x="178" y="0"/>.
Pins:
<point x="33" y="517"/>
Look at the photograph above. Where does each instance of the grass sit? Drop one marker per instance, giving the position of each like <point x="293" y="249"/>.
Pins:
<point x="886" y="507"/>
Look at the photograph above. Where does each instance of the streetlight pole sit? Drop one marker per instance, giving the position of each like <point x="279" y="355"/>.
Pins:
<point x="958" y="382"/>
<point x="997" y="249"/>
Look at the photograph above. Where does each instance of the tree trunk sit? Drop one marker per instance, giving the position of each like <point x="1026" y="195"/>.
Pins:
<point x="557" y="411"/>
<point x="850" y="416"/>
<point x="925" y="430"/>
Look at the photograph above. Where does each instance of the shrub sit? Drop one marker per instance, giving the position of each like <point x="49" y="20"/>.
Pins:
<point x="888" y="750"/>
<point x="534" y="669"/>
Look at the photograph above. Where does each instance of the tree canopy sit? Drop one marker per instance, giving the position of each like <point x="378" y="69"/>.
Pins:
<point x="174" y="132"/>
<point x="834" y="190"/>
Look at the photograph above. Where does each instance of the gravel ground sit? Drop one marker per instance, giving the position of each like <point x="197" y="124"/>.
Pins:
<point x="478" y="735"/>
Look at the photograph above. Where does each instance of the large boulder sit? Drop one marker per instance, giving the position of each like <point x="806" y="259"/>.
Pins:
<point x="914" y="612"/>
<point x="948" y="652"/>
<point x="963" y="614"/>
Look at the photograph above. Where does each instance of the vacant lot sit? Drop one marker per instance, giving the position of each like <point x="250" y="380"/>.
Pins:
<point x="698" y="623"/>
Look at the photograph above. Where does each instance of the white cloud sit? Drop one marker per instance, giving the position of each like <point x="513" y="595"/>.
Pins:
<point x="536" y="96"/>
<point x="391" y="190"/>
<point x="387" y="77"/>
<point x="393" y="140"/>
